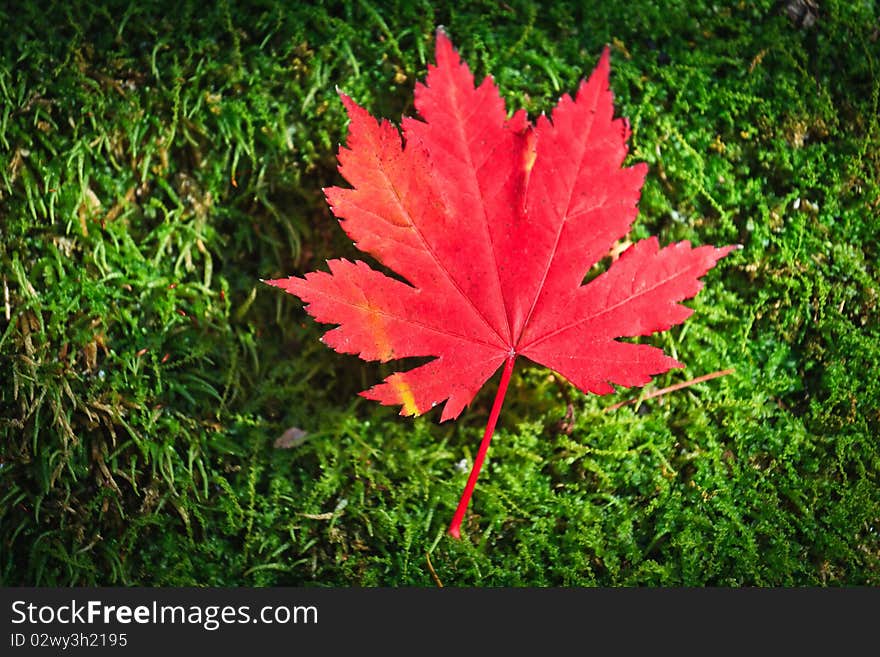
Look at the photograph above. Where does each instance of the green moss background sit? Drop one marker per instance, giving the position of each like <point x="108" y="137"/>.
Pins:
<point x="157" y="159"/>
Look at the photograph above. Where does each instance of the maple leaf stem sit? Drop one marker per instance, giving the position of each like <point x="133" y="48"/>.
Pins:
<point x="455" y="525"/>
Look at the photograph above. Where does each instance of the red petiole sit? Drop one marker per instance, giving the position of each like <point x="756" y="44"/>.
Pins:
<point x="455" y="525"/>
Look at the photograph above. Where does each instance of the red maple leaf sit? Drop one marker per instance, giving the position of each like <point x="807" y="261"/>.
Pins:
<point x="493" y="223"/>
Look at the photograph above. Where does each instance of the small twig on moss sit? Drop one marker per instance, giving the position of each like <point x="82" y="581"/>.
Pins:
<point x="677" y="386"/>
<point x="433" y="572"/>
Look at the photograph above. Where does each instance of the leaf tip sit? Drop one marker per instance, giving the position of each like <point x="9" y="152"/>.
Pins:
<point x="441" y="37"/>
<point x="604" y="64"/>
<point x="673" y="364"/>
<point x="598" y="80"/>
<point x="346" y="99"/>
<point x="724" y="250"/>
<point x="445" y="53"/>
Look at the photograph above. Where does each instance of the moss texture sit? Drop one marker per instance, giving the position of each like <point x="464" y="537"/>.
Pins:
<point x="157" y="159"/>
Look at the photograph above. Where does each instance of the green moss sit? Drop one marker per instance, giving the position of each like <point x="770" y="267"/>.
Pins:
<point x="157" y="160"/>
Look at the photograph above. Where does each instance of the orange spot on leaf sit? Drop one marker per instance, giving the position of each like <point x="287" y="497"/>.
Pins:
<point x="404" y="394"/>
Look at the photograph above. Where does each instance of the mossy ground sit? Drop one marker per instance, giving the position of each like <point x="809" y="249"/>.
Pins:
<point x="157" y="159"/>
